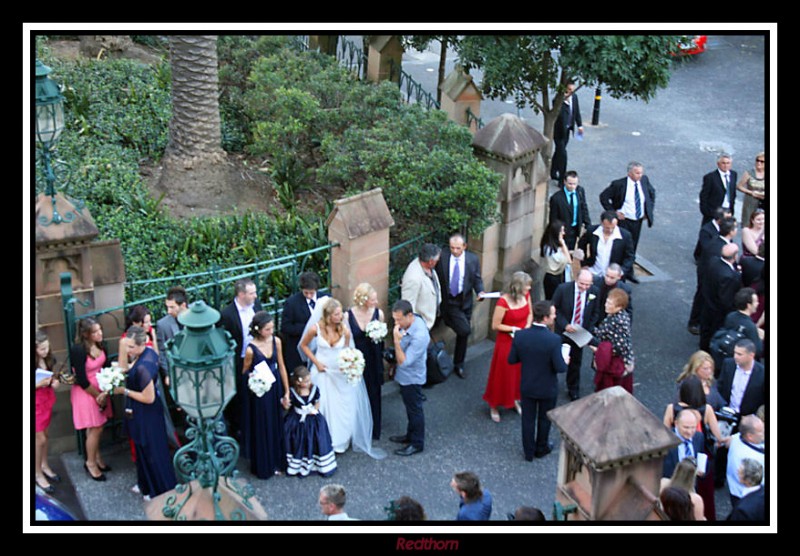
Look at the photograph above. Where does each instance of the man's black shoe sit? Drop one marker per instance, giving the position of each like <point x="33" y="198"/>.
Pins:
<point x="694" y="329"/>
<point x="573" y="396"/>
<point x="400" y="439"/>
<point x="543" y="453"/>
<point x="632" y="279"/>
<point x="409" y="450"/>
<point x="459" y="372"/>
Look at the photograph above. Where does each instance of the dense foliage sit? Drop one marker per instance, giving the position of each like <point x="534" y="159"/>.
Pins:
<point x="301" y="116"/>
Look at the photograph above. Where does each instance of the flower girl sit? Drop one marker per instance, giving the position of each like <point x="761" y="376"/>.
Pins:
<point x="308" y="440"/>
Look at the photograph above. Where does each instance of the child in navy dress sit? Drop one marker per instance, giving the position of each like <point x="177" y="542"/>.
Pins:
<point x="308" y="440"/>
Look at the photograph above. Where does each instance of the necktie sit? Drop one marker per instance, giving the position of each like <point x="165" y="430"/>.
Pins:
<point x="637" y="200"/>
<point x="311" y="303"/>
<point x="577" y="319"/>
<point x="573" y="203"/>
<point x="454" y="279"/>
<point x="687" y="449"/>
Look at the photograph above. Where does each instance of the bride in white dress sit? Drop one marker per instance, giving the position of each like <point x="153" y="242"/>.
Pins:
<point x="345" y="406"/>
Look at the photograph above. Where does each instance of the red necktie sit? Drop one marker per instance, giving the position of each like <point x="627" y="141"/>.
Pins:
<point x="577" y="319"/>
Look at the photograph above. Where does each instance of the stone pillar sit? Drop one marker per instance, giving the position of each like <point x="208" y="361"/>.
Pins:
<point x="514" y="149"/>
<point x="385" y="53"/>
<point x="360" y="225"/>
<point x="324" y="43"/>
<point x="459" y="93"/>
<point x="98" y="274"/>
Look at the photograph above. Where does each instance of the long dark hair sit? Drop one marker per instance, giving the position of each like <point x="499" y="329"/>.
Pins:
<point x="85" y="326"/>
<point x="551" y="237"/>
<point x="49" y="359"/>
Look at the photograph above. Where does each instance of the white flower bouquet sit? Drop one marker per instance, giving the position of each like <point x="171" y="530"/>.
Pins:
<point x="376" y="331"/>
<point x="109" y="378"/>
<point x="260" y="379"/>
<point x="351" y="363"/>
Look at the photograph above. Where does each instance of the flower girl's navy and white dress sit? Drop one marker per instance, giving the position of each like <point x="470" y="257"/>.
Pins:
<point x="308" y="439"/>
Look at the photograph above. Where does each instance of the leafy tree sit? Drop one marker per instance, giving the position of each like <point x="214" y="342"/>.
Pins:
<point x="536" y="68"/>
<point x="421" y="42"/>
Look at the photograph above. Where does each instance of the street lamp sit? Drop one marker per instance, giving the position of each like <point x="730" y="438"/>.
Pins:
<point x="202" y="381"/>
<point x="49" y="125"/>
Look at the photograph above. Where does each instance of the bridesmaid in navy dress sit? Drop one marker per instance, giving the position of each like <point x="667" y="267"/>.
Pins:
<point x="264" y="428"/>
<point x="144" y="411"/>
<point x="364" y="310"/>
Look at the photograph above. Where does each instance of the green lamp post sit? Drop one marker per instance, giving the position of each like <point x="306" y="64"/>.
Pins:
<point x="49" y="125"/>
<point x="202" y="382"/>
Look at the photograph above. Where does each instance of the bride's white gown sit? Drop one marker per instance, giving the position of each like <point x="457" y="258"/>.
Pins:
<point x="345" y="406"/>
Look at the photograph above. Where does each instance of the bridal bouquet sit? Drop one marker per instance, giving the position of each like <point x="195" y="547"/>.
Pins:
<point x="260" y="379"/>
<point x="376" y="331"/>
<point x="351" y="363"/>
<point x="109" y="378"/>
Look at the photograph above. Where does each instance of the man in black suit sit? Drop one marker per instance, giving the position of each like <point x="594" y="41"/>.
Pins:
<point x="718" y="189"/>
<point x="607" y="243"/>
<point x="633" y="198"/>
<point x="569" y="206"/>
<point x="235" y="318"/>
<point x="721" y="282"/>
<point x="604" y="284"/>
<point x="692" y="442"/>
<point x="296" y="312"/>
<point x="568" y="118"/>
<point x="575" y="306"/>
<point x="709" y="231"/>
<point x="742" y="379"/>
<point x="539" y="351"/>
<point x="710" y="249"/>
<point x="460" y="275"/>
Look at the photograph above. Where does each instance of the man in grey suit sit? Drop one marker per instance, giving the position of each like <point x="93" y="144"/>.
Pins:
<point x="166" y="329"/>
<point x="538" y="349"/>
<point x="420" y="284"/>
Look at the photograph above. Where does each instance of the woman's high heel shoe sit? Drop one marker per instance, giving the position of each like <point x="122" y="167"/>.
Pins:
<point x="49" y="489"/>
<point x="103" y="468"/>
<point x="54" y="478"/>
<point x="100" y="478"/>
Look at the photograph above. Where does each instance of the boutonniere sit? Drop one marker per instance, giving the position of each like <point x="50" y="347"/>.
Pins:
<point x="592" y="297"/>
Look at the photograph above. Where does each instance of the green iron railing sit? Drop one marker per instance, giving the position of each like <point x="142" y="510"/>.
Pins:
<point x="275" y="280"/>
<point x="473" y="119"/>
<point x="399" y="257"/>
<point x="412" y="89"/>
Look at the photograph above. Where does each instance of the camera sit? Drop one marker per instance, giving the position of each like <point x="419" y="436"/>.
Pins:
<point x="389" y="355"/>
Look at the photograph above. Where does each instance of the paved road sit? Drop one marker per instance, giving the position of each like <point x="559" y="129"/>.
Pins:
<point x="714" y="102"/>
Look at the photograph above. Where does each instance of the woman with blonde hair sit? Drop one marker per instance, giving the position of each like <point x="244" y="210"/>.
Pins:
<point x="701" y="365"/>
<point x="344" y="404"/>
<point x="753" y="185"/>
<point x="512" y="312"/>
<point x="364" y="311"/>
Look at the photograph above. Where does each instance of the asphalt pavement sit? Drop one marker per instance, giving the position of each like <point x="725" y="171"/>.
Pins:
<point x="705" y="109"/>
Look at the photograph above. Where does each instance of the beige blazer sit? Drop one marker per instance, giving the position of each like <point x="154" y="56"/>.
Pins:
<point x="417" y="288"/>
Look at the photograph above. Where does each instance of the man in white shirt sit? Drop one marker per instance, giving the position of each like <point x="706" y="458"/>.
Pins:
<point x="718" y="189"/>
<point x="607" y="243"/>
<point x="633" y="199"/>
<point x="748" y="443"/>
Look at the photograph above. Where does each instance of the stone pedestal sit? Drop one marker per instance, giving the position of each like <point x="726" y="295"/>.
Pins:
<point x="385" y="53"/>
<point x="611" y="457"/>
<point x="460" y="93"/>
<point x="514" y="149"/>
<point x="360" y="225"/>
<point x="97" y="273"/>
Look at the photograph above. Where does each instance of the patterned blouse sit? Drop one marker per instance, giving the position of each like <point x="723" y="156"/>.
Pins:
<point x="616" y="328"/>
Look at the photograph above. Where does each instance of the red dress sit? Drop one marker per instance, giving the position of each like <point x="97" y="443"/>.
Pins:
<point x="502" y="387"/>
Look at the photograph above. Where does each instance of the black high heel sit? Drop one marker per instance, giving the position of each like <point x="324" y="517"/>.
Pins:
<point x="49" y="489"/>
<point x="103" y="468"/>
<point x="54" y="478"/>
<point x="100" y="478"/>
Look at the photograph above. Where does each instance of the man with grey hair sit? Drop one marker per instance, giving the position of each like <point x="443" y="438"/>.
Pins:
<point x="745" y="445"/>
<point x="332" y="499"/>
<point x="420" y="284"/>
<point x="718" y="189"/>
<point x="633" y="199"/>
<point x="751" y="506"/>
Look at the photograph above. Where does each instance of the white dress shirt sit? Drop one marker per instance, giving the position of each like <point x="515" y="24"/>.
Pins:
<point x="740" y="379"/>
<point x="629" y="205"/>
<point x="245" y="318"/>
<point x="603" y="255"/>
<point x="726" y="179"/>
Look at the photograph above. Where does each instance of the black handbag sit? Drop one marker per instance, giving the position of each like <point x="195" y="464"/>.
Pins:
<point x="439" y="364"/>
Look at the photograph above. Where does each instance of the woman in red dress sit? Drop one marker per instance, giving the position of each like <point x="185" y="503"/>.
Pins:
<point x="512" y="312"/>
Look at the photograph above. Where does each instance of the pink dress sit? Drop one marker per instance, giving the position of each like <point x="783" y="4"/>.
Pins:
<point x="45" y="399"/>
<point x="85" y="411"/>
